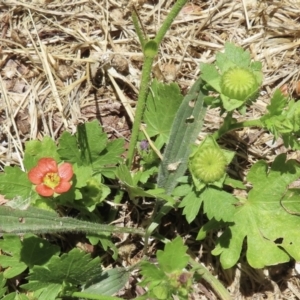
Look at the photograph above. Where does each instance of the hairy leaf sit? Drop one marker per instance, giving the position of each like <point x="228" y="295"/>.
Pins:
<point x="108" y="282"/>
<point x="34" y="220"/>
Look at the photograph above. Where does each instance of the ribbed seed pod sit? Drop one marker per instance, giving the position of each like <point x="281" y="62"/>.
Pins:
<point x="208" y="164"/>
<point x="238" y="83"/>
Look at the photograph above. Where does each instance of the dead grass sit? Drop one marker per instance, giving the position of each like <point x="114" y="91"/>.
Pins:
<point x="54" y="56"/>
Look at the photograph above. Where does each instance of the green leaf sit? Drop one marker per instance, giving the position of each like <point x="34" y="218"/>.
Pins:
<point x="191" y="203"/>
<point x="85" y="147"/>
<point x="161" y="292"/>
<point x="174" y="257"/>
<point x="44" y="293"/>
<point x="163" y="281"/>
<point x="106" y="242"/>
<point x="34" y="220"/>
<point x="71" y="269"/>
<point x="210" y="75"/>
<point x="16" y="296"/>
<point x="37" y="251"/>
<point x="293" y="114"/>
<point x="232" y="56"/>
<point x="94" y="192"/>
<point x="283" y="119"/>
<point x="107" y="283"/>
<point x="111" y="155"/>
<point x="182" y="190"/>
<point x="91" y="140"/>
<point x="68" y="148"/>
<point x="185" y="129"/>
<point x="147" y="173"/>
<point x="162" y="104"/>
<point x="152" y="275"/>
<point x="230" y="104"/>
<point x="222" y="200"/>
<point x="12" y="245"/>
<point x="3" y="288"/>
<point x="34" y="150"/>
<point x="210" y="225"/>
<point x="14" y="182"/>
<point x="123" y="174"/>
<point x="276" y="119"/>
<point x="212" y="199"/>
<point x="236" y="184"/>
<point x="82" y="175"/>
<point x="271" y="232"/>
<point x="277" y="104"/>
<point x="27" y="253"/>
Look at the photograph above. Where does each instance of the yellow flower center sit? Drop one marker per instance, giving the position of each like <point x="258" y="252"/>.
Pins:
<point x="51" y="180"/>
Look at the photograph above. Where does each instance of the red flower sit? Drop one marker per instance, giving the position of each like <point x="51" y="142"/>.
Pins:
<point x="51" y="178"/>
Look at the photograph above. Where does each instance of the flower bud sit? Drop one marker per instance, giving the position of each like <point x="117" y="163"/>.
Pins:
<point x="208" y="164"/>
<point x="238" y="83"/>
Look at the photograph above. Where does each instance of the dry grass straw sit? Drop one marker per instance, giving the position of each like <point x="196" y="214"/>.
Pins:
<point x="53" y="53"/>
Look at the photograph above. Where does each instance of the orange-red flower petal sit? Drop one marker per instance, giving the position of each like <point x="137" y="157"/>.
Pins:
<point x="63" y="187"/>
<point x="47" y="165"/>
<point x="65" y="171"/>
<point x="44" y="191"/>
<point x="36" y="176"/>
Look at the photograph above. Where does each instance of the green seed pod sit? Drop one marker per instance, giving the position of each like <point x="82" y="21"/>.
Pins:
<point x="238" y="83"/>
<point x="208" y="164"/>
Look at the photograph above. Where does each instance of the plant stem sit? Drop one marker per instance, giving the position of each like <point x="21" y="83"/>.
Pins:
<point x="114" y="210"/>
<point x="211" y="280"/>
<point x="144" y="88"/>
<point x="169" y="20"/>
<point x="146" y="73"/>
<point x="137" y="27"/>
<point x="225" y="129"/>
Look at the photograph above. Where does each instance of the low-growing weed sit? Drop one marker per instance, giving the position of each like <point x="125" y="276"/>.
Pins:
<point x="86" y="172"/>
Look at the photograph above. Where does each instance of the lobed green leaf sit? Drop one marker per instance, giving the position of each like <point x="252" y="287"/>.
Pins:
<point x="270" y="231"/>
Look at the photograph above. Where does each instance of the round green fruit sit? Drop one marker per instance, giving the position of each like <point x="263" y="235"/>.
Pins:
<point x="238" y="83"/>
<point x="208" y="165"/>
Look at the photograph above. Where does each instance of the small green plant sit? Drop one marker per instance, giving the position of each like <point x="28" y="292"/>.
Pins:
<point x="169" y="277"/>
<point x="86" y="174"/>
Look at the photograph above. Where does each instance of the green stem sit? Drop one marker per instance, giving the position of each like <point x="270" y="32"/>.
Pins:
<point x="93" y="296"/>
<point x="169" y="20"/>
<point x="146" y="72"/>
<point x="211" y="280"/>
<point x="139" y="31"/>
<point x="144" y="88"/>
<point x="225" y="129"/>
<point x="114" y="210"/>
